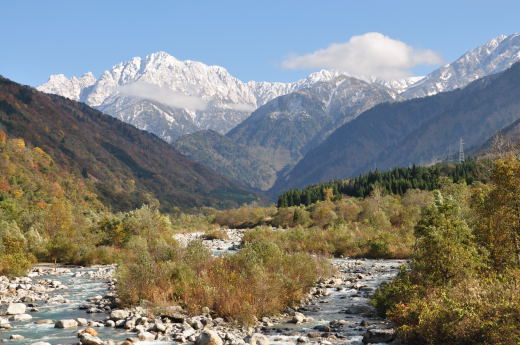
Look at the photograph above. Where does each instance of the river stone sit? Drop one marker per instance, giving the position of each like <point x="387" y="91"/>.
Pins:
<point x="20" y="317"/>
<point x="15" y="308"/>
<point x="40" y="343"/>
<point x="88" y="339"/>
<point x="16" y="337"/>
<point x="257" y="339"/>
<point x="146" y="336"/>
<point x="110" y="323"/>
<point x="298" y="318"/>
<point x="119" y="314"/>
<point x="4" y="323"/>
<point x="378" y="336"/>
<point x="81" y="321"/>
<point x="66" y="324"/>
<point x="322" y="328"/>
<point x="208" y="337"/>
<point x="43" y="322"/>
<point x="90" y="331"/>
<point x="196" y="324"/>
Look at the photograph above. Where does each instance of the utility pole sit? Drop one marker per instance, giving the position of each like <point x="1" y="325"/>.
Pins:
<point x="461" y="150"/>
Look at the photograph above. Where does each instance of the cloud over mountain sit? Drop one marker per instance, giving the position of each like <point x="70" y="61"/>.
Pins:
<point x="142" y="89"/>
<point x="371" y="54"/>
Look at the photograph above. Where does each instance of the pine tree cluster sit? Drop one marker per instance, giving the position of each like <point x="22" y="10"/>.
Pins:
<point x="395" y="181"/>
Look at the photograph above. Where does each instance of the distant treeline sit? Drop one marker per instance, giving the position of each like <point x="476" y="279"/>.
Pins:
<point x="395" y="181"/>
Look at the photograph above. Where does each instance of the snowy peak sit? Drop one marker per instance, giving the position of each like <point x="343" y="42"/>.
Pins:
<point x="172" y="97"/>
<point x="493" y="57"/>
<point x="71" y="88"/>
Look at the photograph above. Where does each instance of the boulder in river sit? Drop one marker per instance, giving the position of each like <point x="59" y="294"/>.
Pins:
<point x="81" y="321"/>
<point x="66" y="324"/>
<point x="90" y="331"/>
<point x="298" y="318"/>
<point x="15" y="309"/>
<point x="374" y="336"/>
<point x="20" y="317"/>
<point x="88" y="339"/>
<point x="4" y="323"/>
<point x="208" y="337"/>
<point x="257" y="339"/>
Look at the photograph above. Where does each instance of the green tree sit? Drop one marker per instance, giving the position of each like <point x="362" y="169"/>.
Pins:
<point x="499" y="230"/>
<point x="445" y="250"/>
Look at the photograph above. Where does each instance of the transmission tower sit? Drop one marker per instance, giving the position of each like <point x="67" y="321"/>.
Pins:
<point x="461" y="150"/>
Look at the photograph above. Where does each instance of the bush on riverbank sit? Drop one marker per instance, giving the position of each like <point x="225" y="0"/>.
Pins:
<point x="380" y="226"/>
<point x="260" y="280"/>
<point x="463" y="285"/>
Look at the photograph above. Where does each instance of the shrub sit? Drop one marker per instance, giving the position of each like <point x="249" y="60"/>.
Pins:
<point x="216" y="235"/>
<point x="16" y="264"/>
<point x="274" y="279"/>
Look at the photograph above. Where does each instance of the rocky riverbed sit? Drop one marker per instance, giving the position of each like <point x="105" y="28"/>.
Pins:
<point x="71" y="305"/>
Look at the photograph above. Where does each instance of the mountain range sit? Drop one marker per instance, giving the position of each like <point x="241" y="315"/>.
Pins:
<point x="126" y="166"/>
<point x="170" y="97"/>
<point x="418" y="131"/>
<point x="262" y="133"/>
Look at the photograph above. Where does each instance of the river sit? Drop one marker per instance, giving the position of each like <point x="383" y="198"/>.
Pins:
<point x="342" y="314"/>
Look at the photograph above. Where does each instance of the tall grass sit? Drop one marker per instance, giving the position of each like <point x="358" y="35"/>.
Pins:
<point x="260" y="280"/>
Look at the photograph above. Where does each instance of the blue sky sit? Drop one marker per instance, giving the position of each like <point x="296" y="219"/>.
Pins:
<point x="251" y="39"/>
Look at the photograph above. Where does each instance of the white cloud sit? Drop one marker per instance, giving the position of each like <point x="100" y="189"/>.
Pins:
<point x="166" y="96"/>
<point x="369" y="55"/>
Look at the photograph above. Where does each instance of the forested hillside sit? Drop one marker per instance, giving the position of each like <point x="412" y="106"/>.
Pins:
<point x="395" y="181"/>
<point x="127" y="166"/>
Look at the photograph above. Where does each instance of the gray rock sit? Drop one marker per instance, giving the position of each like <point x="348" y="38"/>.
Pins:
<point x="129" y="324"/>
<point x="298" y="318"/>
<point x="208" y="337"/>
<point x="373" y="336"/>
<point x="88" y="339"/>
<point x="196" y="324"/>
<point x="110" y="323"/>
<point x="16" y="337"/>
<point x="119" y="314"/>
<point x="146" y="336"/>
<point x="81" y="321"/>
<point x="15" y="309"/>
<point x="40" y="343"/>
<point x="20" y="317"/>
<point x="66" y="324"/>
<point x="160" y="327"/>
<point x="322" y="328"/>
<point x="257" y="339"/>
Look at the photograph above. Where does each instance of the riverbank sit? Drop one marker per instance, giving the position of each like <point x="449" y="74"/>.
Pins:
<point x="336" y="310"/>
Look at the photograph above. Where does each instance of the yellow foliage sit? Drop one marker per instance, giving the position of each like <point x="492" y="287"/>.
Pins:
<point x="18" y="193"/>
<point x="18" y="142"/>
<point x="39" y="151"/>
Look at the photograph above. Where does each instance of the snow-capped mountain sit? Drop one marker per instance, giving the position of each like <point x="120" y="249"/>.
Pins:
<point x="495" y="56"/>
<point x="71" y="88"/>
<point x="170" y="97"/>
